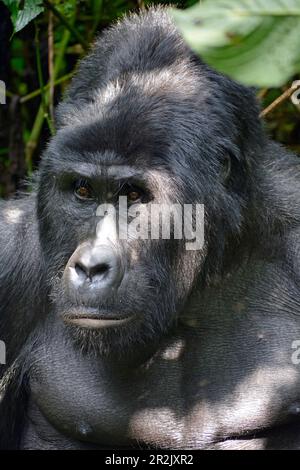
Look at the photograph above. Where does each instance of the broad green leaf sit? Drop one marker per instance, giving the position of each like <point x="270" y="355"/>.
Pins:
<point x="254" y="41"/>
<point x="22" y="13"/>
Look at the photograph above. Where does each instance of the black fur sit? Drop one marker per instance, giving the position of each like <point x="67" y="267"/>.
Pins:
<point x="143" y="99"/>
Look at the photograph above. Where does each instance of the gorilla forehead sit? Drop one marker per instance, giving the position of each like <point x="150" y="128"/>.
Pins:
<point x="143" y="87"/>
<point x="126" y="117"/>
<point x="134" y="133"/>
<point x="163" y="128"/>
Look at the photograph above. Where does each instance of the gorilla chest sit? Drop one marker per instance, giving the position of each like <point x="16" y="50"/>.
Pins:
<point x="91" y="403"/>
<point x="183" y="398"/>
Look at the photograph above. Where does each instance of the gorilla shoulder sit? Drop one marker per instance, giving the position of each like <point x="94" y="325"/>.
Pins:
<point x="18" y="229"/>
<point x="20" y="269"/>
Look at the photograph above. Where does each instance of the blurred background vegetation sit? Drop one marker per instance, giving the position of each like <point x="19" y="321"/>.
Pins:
<point x="254" y="41"/>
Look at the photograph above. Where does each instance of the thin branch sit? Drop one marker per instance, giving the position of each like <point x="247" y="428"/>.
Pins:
<point x="97" y="14"/>
<point x="66" y="23"/>
<point x="35" y="93"/>
<point x="40" y="77"/>
<point x="50" y="66"/>
<point x="39" y="119"/>
<point x="285" y="96"/>
<point x="9" y="94"/>
<point x="262" y="93"/>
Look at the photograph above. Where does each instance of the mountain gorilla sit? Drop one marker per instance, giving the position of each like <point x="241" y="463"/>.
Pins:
<point x="143" y="343"/>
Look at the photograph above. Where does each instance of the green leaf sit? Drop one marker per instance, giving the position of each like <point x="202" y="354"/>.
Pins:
<point x="255" y="41"/>
<point x="22" y="13"/>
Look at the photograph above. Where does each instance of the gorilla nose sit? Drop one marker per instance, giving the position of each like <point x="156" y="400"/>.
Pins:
<point x="92" y="273"/>
<point x="93" y="269"/>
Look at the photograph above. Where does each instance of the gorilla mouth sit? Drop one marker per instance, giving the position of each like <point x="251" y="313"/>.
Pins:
<point x="96" y="320"/>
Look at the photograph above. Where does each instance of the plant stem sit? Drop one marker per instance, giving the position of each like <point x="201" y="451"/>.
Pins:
<point x="35" y="93"/>
<point x="39" y="119"/>
<point x="66" y="23"/>
<point x="285" y="95"/>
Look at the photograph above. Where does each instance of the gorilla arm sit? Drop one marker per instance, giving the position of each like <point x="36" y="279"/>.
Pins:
<point x="20" y="271"/>
<point x="20" y="300"/>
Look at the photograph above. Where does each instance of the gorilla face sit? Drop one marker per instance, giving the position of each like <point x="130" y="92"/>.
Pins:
<point x="111" y="292"/>
<point x="153" y="139"/>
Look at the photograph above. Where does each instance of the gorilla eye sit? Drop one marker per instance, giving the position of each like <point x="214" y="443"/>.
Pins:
<point x="133" y="193"/>
<point x="83" y="190"/>
<point x="134" y="196"/>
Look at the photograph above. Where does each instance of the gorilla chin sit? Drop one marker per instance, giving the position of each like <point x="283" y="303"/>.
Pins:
<point x="102" y="331"/>
<point x="116" y="338"/>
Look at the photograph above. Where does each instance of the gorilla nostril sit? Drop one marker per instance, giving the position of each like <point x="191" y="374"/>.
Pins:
<point x="95" y="273"/>
<point x="93" y="269"/>
<point x="99" y="272"/>
<point x="81" y="272"/>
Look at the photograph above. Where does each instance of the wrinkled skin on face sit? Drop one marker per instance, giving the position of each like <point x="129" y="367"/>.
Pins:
<point x="130" y="342"/>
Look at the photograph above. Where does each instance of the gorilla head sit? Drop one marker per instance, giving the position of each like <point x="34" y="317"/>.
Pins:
<point x="161" y="128"/>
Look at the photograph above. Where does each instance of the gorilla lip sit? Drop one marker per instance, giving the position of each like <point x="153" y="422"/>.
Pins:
<point x="95" y="321"/>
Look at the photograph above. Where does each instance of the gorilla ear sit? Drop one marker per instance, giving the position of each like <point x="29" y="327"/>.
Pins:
<point x="233" y="172"/>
